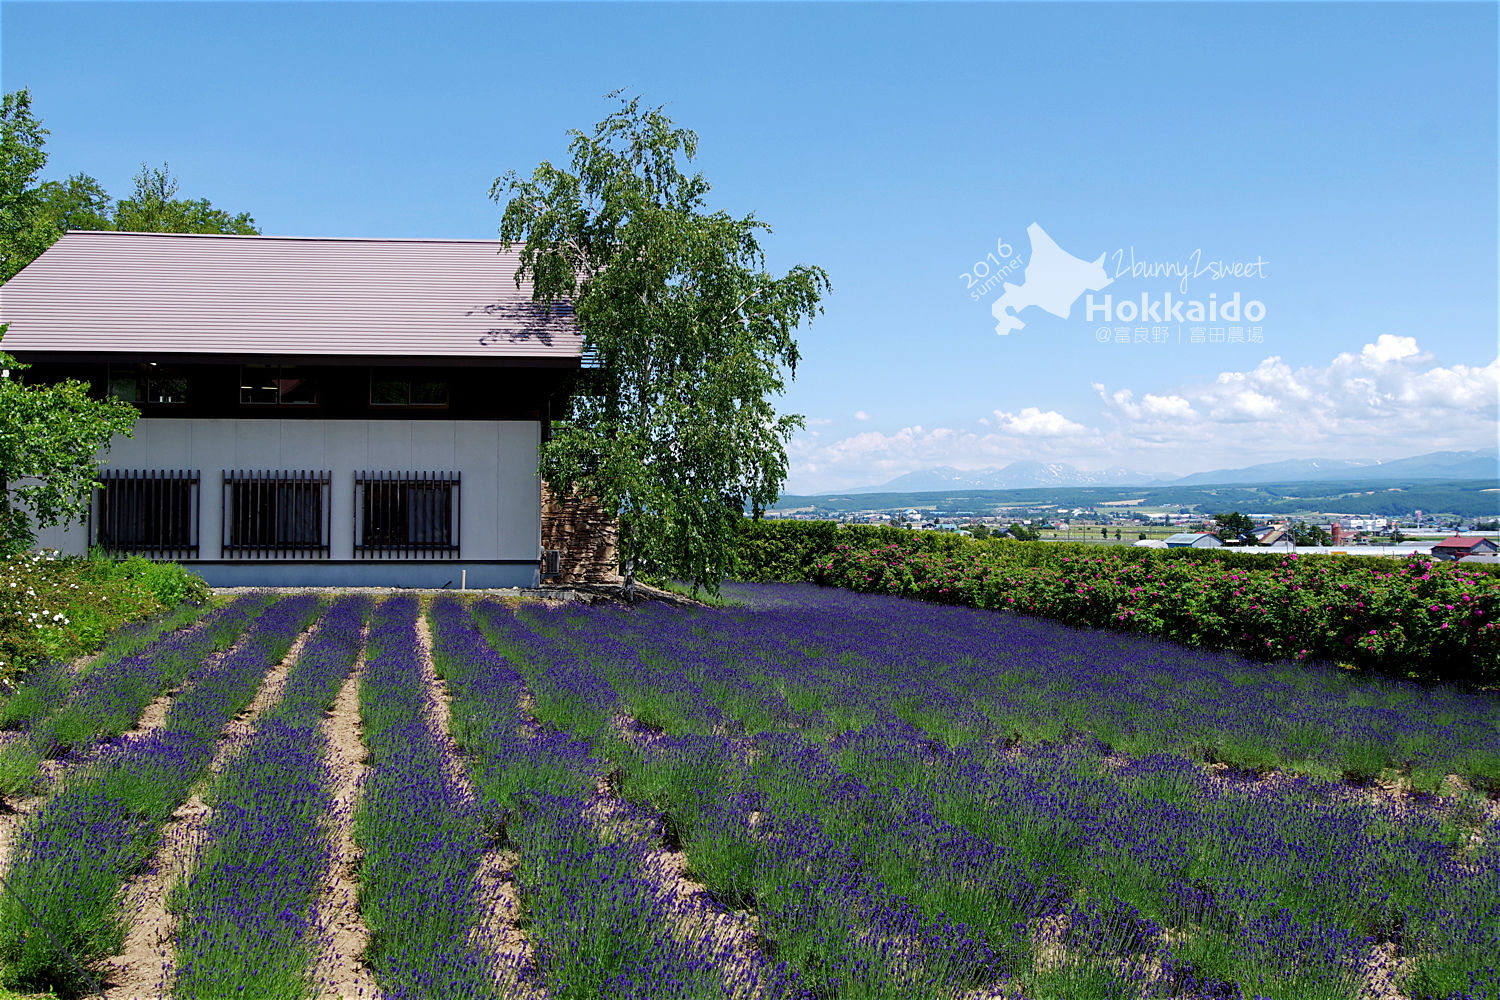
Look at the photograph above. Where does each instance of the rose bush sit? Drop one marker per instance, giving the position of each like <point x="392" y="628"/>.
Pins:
<point x="1417" y="618"/>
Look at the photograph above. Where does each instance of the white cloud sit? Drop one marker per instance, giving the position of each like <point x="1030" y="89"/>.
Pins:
<point x="1035" y="422"/>
<point x="874" y="456"/>
<point x="1388" y="400"/>
<point x="1168" y="407"/>
<point x="1389" y="347"/>
<point x="861" y="415"/>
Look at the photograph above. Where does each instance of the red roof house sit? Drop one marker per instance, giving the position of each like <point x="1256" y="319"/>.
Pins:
<point x="1458" y="546"/>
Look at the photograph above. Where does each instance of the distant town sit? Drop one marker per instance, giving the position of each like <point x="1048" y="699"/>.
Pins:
<point x="1291" y="522"/>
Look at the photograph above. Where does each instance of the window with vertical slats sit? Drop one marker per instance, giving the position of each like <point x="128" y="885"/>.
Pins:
<point x="405" y="514"/>
<point x="281" y="514"/>
<point x="150" y="512"/>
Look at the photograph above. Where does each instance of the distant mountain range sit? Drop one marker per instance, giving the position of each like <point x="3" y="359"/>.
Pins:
<point x="1027" y="475"/>
<point x="1015" y="476"/>
<point x="1436" y="465"/>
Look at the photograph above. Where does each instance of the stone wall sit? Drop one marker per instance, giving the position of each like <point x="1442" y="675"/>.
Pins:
<point x="585" y="535"/>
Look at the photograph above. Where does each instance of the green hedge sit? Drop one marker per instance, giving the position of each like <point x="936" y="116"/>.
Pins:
<point x="1415" y="618"/>
<point x="782" y="551"/>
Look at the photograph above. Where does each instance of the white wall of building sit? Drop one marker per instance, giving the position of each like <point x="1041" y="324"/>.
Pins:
<point x="500" y="494"/>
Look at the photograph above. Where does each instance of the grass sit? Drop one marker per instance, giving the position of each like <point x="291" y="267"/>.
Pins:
<point x="719" y="600"/>
<point x="56" y="607"/>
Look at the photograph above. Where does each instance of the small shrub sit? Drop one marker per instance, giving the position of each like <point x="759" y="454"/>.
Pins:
<point x="61" y="607"/>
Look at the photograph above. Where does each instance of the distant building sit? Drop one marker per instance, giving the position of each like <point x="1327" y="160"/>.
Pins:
<point x="1193" y="540"/>
<point x="1459" y="546"/>
<point x="1271" y="534"/>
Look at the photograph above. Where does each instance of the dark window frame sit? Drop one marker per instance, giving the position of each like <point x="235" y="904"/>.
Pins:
<point x="142" y="374"/>
<point x="407" y="515"/>
<point x="276" y="514"/>
<point x="149" y="512"/>
<point x="410" y="384"/>
<point x="280" y="400"/>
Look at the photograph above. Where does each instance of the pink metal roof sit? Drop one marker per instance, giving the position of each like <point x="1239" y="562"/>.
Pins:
<point x="108" y="293"/>
<point x="1458" y="542"/>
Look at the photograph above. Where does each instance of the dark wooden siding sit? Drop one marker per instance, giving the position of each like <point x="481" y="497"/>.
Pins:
<point x="475" y="392"/>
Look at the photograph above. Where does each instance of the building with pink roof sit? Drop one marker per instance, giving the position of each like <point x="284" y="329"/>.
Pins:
<point x="313" y="411"/>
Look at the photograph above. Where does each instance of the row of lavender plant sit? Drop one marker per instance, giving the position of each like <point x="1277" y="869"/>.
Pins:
<point x="837" y="929"/>
<point x="46" y="686"/>
<point x="1301" y="904"/>
<point x="1039" y="680"/>
<point x="247" y="922"/>
<point x="600" y="923"/>
<point x="1360" y="871"/>
<point x="58" y="713"/>
<point x="72" y="859"/>
<point x="422" y="836"/>
<point x="1382" y="863"/>
<point x="807" y="816"/>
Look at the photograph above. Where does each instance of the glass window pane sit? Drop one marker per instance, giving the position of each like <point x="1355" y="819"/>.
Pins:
<point x="125" y="384"/>
<point x="297" y="387"/>
<point x="166" y="388"/>
<point x="258" y="384"/>
<point x="389" y="391"/>
<point x="429" y="392"/>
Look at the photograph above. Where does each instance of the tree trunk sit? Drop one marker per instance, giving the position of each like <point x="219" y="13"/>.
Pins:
<point x="630" y="580"/>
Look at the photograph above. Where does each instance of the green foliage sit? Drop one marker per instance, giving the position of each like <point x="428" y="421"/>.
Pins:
<point x="781" y="551"/>
<point x="34" y="215"/>
<point x="64" y="607"/>
<point x="168" y="582"/>
<point x="25" y="230"/>
<point x="1308" y="534"/>
<point x="677" y="434"/>
<point x="151" y="208"/>
<point x="80" y="202"/>
<point x="52" y="439"/>
<point x="1232" y="525"/>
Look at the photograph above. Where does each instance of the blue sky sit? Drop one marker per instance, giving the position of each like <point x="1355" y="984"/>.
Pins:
<point x="1350" y="148"/>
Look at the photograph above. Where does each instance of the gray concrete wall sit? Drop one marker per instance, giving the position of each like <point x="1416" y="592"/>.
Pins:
<point x="500" y="495"/>
<point x="452" y="574"/>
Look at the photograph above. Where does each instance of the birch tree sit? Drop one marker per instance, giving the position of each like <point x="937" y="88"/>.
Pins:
<point x="675" y="431"/>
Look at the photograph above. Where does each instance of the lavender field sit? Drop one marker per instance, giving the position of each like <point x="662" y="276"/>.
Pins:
<point x="809" y="794"/>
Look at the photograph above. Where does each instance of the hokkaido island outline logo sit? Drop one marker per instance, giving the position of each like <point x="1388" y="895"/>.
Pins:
<point x="1054" y="280"/>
